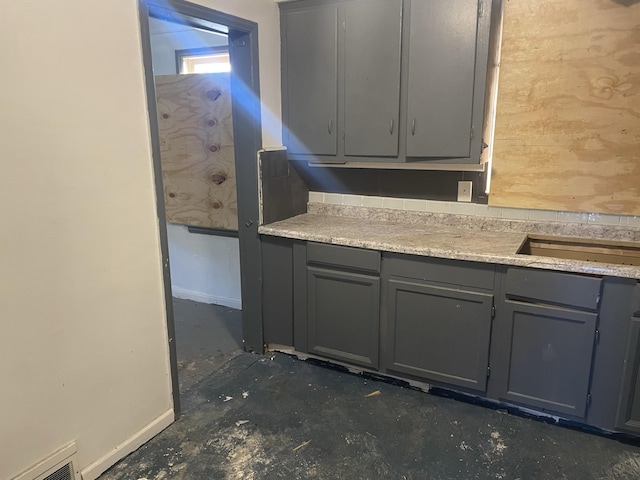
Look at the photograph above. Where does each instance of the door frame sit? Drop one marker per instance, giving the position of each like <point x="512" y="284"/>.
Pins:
<point x="246" y="111"/>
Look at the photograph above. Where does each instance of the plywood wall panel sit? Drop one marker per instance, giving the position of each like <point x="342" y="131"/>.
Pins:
<point x="196" y="141"/>
<point x="568" y="115"/>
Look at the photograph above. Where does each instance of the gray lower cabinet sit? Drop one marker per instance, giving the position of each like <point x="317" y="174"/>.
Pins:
<point x="546" y="332"/>
<point x="549" y="356"/>
<point x="439" y="333"/>
<point x="556" y="342"/>
<point x="437" y="317"/>
<point x="337" y="303"/>
<point x="628" y="417"/>
<point x="343" y="315"/>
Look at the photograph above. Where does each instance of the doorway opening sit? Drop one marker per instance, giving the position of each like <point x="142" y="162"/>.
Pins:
<point x="205" y="130"/>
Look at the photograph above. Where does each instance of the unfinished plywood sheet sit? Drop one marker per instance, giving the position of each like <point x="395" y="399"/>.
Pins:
<point x="568" y="115"/>
<point x="196" y="143"/>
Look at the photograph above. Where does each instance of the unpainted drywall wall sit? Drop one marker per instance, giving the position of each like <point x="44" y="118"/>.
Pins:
<point x="568" y="108"/>
<point x="84" y="355"/>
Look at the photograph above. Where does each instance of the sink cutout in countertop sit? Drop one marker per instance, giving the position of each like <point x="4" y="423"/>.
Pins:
<point x="585" y="249"/>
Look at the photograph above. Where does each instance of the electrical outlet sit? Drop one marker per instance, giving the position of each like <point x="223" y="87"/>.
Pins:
<point x="464" y="191"/>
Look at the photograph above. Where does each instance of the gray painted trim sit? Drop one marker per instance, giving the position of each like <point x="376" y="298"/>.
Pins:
<point x="300" y="322"/>
<point x="143" y="14"/>
<point x="245" y="87"/>
<point x="178" y="12"/>
<point x="245" y="92"/>
<point x="197" y="16"/>
<point x="248" y="140"/>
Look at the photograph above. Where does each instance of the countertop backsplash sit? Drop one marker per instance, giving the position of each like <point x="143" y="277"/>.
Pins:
<point x="475" y="209"/>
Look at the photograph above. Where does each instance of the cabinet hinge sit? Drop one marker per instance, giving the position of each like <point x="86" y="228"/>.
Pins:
<point x="493" y="311"/>
<point x="472" y="134"/>
<point x="480" y="9"/>
<point x="488" y="371"/>
<point x="588" y="399"/>
<point x="597" y="337"/>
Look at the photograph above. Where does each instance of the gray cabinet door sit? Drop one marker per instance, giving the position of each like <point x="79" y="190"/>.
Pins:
<point x="441" y="78"/>
<point x="343" y="315"/>
<point x="548" y="357"/>
<point x="372" y="77"/>
<point x="628" y="417"/>
<point x="439" y="333"/>
<point x="310" y="79"/>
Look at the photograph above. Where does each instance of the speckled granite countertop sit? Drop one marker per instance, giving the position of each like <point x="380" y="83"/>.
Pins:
<point x="458" y="237"/>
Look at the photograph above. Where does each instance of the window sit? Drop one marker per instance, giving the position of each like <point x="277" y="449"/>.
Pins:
<point x="203" y="60"/>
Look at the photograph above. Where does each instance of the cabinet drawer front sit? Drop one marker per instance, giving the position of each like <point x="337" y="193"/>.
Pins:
<point x="554" y="288"/>
<point x="343" y="257"/>
<point x="455" y="272"/>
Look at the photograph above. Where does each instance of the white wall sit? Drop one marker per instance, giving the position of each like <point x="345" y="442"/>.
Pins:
<point x="266" y="14"/>
<point x="168" y="37"/>
<point x="84" y="346"/>
<point x="204" y="268"/>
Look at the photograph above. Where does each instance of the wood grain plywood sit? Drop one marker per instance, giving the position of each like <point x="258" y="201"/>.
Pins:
<point x="197" y="151"/>
<point x="568" y="115"/>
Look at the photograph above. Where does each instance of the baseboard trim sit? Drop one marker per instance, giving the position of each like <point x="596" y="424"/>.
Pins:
<point x="134" y="442"/>
<point x="206" y="298"/>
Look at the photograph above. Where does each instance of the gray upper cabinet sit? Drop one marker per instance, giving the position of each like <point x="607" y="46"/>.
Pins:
<point x="384" y="80"/>
<point x="446" y="78"/>
<point x="310" y="69"/>
<point x="372" y="36"/>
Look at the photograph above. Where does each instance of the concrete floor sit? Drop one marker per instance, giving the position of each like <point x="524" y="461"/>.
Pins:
<point x="276" y="417"/>
<point x="207" y="336"/>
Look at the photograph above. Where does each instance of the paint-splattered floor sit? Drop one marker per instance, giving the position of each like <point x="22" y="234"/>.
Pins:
<point x="276" y="417"/>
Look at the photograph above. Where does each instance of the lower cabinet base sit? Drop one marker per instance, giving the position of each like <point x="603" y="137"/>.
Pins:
<point x="553" y="345"/>
<point x="440" y="391"/>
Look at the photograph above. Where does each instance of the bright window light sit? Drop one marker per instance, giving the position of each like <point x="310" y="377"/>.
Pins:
<point x="206" y="63"/>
